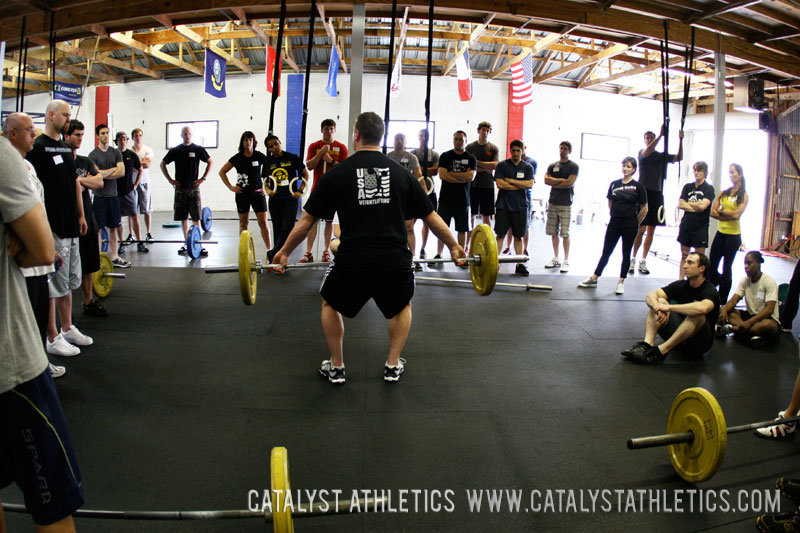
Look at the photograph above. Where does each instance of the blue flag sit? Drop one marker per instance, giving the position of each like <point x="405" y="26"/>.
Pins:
<point x="69" y="92"/>
<point x="333" y="71"/>
<point x="215" y="74"/>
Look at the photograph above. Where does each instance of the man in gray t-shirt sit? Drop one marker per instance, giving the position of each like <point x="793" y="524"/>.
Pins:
<point x="433" y="170"/>
<point x="106" y="202"/>
<point x="26" y="387"/>
<point x="410" y="162"/>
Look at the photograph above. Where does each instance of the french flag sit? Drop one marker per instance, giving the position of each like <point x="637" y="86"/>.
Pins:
<point x="464" y="77"/>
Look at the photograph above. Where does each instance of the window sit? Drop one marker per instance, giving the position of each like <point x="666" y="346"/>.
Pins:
<point x="604" y="147"/>
<point x="204" y="133"/>
<point x="411" y="130"/>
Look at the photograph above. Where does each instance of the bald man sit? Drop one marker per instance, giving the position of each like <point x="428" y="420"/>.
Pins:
<point x="55" y="166"/>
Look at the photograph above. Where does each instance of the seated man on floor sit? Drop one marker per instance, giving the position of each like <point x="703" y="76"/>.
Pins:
<point x="761" y="321"/>
<point x="687" y="324"/>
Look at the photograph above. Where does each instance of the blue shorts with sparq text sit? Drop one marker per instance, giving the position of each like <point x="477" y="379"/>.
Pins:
<point x="37" y="452"/>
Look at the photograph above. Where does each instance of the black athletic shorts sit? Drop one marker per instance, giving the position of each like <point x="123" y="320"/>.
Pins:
<point x="186" y="204"/>
<point x="516" y="220"/>
<point x="481" y="201"/>
<point x="432" y="198"/>
<point x="247" y="199"/>
<point x="697" y="344"/>
<point x="693" y="238"/>
<point x="655" y="202"/>
<point x="89" y="248"/>
<point x="347" y="290"/>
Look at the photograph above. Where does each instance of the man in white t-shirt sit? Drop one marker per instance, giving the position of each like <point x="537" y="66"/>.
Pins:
<point x="760" y="322"/>
<point x="145" y="154"/>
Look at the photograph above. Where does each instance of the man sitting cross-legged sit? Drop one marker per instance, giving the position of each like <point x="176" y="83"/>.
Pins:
<point x="686" y="324"/>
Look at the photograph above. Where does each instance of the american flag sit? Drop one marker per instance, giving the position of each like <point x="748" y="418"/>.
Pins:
<point x="522" y="81"/>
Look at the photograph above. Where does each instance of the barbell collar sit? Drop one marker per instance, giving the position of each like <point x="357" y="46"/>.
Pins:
<point x="222" y="269"/>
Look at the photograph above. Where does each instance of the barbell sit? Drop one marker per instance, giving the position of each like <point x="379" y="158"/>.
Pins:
<point x="103" y="279"/>
<point x="207" y="216"/>
<point x="483" y="263"/>
<point x="697" y="435"/>
<point x="194" y="241"/>
<point x="281" y="512"/>
<point x="526" y="286"/>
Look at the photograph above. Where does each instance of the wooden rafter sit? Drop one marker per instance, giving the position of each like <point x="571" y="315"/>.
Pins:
<point x="195" y="37"/>
<point x="101" y="58"/>
<point x="128" y="40"/>
<point x="609" y="52"/>
<point x="473" y="37"/>
<point x="332" y="36"/>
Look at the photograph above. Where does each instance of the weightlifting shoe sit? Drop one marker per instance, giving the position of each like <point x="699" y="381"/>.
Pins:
<point x="61" y="347"/>
<point x="777" y="432"/>
<point x="75" y="337"/>
<point x="392" y="373"/>
<point x="307" y="258"/>
<point x="789" y="488"/>
<point x="783" y="522"/>
<point x="334" y="375"/>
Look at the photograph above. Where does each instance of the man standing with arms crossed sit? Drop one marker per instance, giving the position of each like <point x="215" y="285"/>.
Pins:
<point x="456" y="170"/>
<point x="433" y="170"/>
<point x="482" y="189"/>
<point x="513" y="177"/>
<point x="409" y="162"/>
<point x="561" y="177"/>
<point x="145" y="154"/>
<point x="187" y="157"/>
<point x="106" y="202"/>
<point x="322" y="156"/>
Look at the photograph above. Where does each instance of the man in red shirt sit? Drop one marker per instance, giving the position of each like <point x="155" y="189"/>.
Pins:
<point x="322" y="155"/>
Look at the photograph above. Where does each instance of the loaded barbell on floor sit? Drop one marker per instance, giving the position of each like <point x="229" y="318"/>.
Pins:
<point x="194" y="242"/>
<point x="103" y="279"/>
<point x="207" y="216"/>
<point x="697" y="435"/>
<point x="526" y="286"/>
<point x="281" y="512"/>
<point x="483" y="263"/>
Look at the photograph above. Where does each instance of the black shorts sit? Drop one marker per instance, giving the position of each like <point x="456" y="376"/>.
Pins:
<point x="37" y="450"/>
<point x="89" y="248"/>
<point x="481" y="201"/>
<point x="516" y="220"/>
<point x="186" y="204"/>
<point x="458" y="214"/>
<point x="347" y="290"/>
<point x="697" y="344"/>
<point x="432" y="198"/>
<point x="106" y="211"/>
<point x="655" y="202"/>
<point x="249" y="198"/>
<point x="693" y="238"/>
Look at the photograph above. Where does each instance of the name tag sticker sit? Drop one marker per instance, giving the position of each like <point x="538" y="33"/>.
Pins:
<point x="404" y="160"/>
<point x="255" y="163"/>
<point x="520" y="175"/>
<point x="465" y="161"/>
<point x="57" y="160"/>
<point x="556" y="168"/>
<point x="191" y="154"/>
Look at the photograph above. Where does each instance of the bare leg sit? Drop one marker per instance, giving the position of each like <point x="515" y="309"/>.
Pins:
<point x="244" y="222"/>
<point x="333" y="327"/>
<point x="410" y="233"/>
<point x="648" y="241"/>
<point x="64" y="306"/>
<point x="399" y="325"/>
<point x="65" y="525"/>
<point x="52" y="329"/>
<point x="86" y="288"/>
<point x="328" y="235"/>
<point x="688" y="327"/>
<point x="555" y="245"/>
<point x="638" y="241"/>
<point x="425" y="232"/>
<point x="261" y="218"/>
<point x="794" y="404"/>
<point x="148" y="220"/>
<point x="525" y="240"/>
<point x="136" y="228"/>
<point x="112" y="242"/>
<point x="185" y="227"/>
<point x="565" y="242"/>
<point x="651" y="328"/>
<point x="312" y="236"/>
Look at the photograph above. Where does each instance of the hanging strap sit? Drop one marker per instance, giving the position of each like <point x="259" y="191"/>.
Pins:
<point x="688" y="63"/>
<point x="20" y="66"/>
<point x="276" y="78"/>
<point x="309" y="48"/>
<point x="665" y="94"/>
<point x="53" y="53"/>
<point x="387" y="108"/>
<point x="428" y="92"/>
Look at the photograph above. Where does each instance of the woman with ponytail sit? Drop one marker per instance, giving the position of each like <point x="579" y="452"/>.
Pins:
<point x="728" y="208"/>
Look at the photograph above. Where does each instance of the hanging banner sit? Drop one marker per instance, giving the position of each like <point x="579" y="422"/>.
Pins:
<point x="71" y="93"/>
<point x="215" y="74"/>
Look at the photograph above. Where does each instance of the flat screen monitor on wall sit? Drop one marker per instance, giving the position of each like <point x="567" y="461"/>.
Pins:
<point x="204" y="133"/>
<point x="604" y="147"/>
<point x="411" y="130"/>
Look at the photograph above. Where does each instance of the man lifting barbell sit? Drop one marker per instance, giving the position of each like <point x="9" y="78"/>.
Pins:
<point x="372" y="195"/>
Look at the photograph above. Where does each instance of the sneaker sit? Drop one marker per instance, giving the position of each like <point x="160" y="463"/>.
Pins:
<point x="203" y="252"/>
<point x="437" y="256"/>
<point x="565" y="266"/>
<point x="120" y="263"/>
<point x="95" y="308"/>
<point x="418" y="267"/>
<point x="56" y="371"/>
<point x="723" y="330"/>
<point x="643" y="267"/>
<point x="632" y="266"/>
<point x="182" y="250"/>
<point x="521" y="270"/>
<point x="61" y="347"/>
<point x="334" y="375"/>
<point x="121" y="249"/>
<point x="422" y="254"/>
<point x="141" y="248"/>
<point x="526" y="253"/>
<point x="392" y="373"/>
<point x="782" y="522"/>
<point x="776" y="432"/>
<point x="326" y="256"/>
<point x="757" y="342"/>
<point x="790" y="488"/>
<point x="554" y="262"/>
<point x="129" y="238"/>
<point x="638" y="347"/>
<point x="75" y="337"/>
<point x="507" y="251"/>
<point x="620" y="288"/>
<point x="786" y="330"/>
<point x="647" y="355"/>
<point x="307" y="258"/>
<point x="588" y="283"/>
<point x="149" y="238"/>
